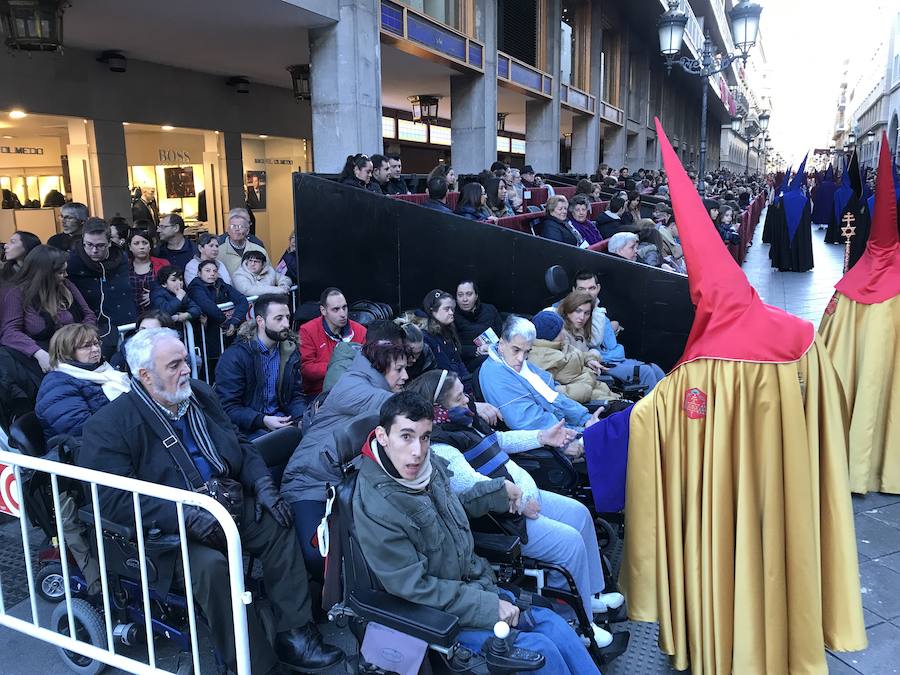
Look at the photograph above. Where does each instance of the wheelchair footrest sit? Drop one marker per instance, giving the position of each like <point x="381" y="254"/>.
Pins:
<point x="616" y="648"/>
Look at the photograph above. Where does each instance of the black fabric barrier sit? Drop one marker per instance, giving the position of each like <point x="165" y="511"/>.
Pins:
<point x="385" y="249"/>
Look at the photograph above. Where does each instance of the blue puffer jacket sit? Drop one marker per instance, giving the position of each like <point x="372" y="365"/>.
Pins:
<point x="241" y="389"/>
<point x="65" y="403"/>
<point x="165" y="300"/>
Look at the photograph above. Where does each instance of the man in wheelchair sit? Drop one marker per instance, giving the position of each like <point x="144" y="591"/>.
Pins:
<point x="414" y="535"/>
<point x="171" y="430"/>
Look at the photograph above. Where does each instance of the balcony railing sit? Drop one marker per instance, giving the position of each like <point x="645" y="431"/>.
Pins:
<point x="423" y="36"/>
<point x="612" y="114"/>
<point x="577" y="99"/>
<point x="519" y="75"/>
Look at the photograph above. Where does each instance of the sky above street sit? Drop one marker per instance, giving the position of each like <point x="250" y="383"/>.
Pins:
<point x="806" y="42"/>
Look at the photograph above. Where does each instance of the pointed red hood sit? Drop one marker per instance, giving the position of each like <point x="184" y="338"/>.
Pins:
<point x="876" y="276"/>
<point x="730" y="322"/>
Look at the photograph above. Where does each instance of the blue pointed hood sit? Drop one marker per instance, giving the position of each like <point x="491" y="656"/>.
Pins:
<point x="829" y="174"/>
<point x="843" y="194"/>
<point x="795" y="202"/>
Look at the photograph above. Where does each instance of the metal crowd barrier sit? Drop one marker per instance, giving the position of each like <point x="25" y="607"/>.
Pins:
<point x="199" y="353"/>
<point x="91" y="480"/>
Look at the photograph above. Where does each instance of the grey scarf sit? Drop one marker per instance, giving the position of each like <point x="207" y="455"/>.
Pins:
<point x="196" y="424"/>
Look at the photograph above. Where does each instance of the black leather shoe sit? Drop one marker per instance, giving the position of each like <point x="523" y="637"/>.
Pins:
<point x="303" y="649"/>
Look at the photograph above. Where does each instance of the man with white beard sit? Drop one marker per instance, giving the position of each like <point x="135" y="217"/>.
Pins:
<point x="171" y="430"/>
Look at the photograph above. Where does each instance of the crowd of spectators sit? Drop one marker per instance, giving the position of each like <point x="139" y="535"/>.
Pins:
<point x="452" y="368"/>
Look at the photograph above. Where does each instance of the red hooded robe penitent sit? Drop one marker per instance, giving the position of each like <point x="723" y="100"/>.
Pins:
<point x="740" y="526"/>
<point x="861" y="329"/>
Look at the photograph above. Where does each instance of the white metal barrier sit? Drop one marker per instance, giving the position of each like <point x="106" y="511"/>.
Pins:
<point x="199" y="354"/>
<point x="240" y="597"/>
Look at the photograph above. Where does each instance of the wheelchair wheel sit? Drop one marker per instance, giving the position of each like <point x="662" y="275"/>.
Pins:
<point x="607" y="536"/>
<point x="50" y="584"/>
<point x="89" y="628"/>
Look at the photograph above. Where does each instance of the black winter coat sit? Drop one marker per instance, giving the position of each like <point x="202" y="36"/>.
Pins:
<point x="126" y="438"/>
<point x="469" y="325"/>
<point x="555" y="230"/>
<point x="107" y="290"/>
<point x="242" y="390"/>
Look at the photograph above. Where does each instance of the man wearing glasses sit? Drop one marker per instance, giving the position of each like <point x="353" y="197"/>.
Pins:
<point x="72" y="217"/>
<point x="174" y="246"/>
<point x="236" y="242"/>
<point x="100" y="271"/>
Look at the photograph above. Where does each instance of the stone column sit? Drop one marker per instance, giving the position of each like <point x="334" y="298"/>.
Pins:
<point x="79" y="158"/>
<point x="231" y="161"/>
<point x="541" y="116"/>
<point x="213" y="181"/>
<point x="345" y="82"/>
<point x="108" y="170"/>
<point x="473" y="99"/>
<point x="586" y="128"/>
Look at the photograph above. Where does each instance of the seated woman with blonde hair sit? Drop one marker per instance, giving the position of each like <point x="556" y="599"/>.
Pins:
<point x="79" y="383"/>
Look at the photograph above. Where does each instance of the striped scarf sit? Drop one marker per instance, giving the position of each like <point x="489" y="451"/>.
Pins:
<point x="196" y="424"/>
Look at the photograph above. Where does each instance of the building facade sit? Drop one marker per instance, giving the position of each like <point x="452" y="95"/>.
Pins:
<point x="207" y="103"/>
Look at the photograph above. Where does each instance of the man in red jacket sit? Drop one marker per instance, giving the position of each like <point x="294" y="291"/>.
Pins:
<point x="319" y="337"/>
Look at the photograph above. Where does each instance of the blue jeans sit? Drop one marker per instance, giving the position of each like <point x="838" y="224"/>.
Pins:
<point x="551" y="636"/>
<point x="307" y="516"/>
<point x="650" y="373"/>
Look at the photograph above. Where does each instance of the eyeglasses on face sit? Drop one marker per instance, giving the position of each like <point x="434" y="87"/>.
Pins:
<point x="89" y="345"/>
<point x="95" y="247"/>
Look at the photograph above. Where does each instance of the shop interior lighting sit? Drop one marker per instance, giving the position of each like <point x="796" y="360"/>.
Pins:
<point x="17" y="114"/>
<point x="167" y="127"/>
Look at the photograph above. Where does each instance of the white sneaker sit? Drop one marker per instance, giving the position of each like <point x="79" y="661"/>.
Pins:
<point x="601" y="602"/>
<point x="603" y="638"/>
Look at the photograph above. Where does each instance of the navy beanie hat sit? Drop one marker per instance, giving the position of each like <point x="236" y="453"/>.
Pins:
<point x="547" y="325"/>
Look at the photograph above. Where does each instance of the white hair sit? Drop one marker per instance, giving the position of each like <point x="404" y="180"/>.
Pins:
<point x="139" y="349"/>
<point x="620" y="240"/>
<point x="240" y="213"/>
<point x="75" y="209"/>
<point x="519" y="326"/>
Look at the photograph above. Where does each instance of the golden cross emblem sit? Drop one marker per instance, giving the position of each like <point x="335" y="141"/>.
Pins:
<point x="847" y="231"/>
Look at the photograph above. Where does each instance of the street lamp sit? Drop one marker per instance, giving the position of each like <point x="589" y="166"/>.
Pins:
<point x="748" y="132"/>
<point x="744" y="31"/>
<point x="764" y="120"/>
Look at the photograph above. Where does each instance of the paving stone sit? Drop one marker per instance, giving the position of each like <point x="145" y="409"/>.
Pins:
<point x="838" y="667"/>
<point x="889" y="515"/>
<point x="891" y="561"/>
<point x="873" y="500"/>
<point x="879" y="586"/>
<point x="882" y="655"/>
<point x="874" y="538"/>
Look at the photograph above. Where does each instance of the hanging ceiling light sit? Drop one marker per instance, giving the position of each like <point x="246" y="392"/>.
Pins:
<point x="33" y="25"/>
<point x="501" y="121"/>
<point x="300" y="81"/>
<point x="425" y="108"/>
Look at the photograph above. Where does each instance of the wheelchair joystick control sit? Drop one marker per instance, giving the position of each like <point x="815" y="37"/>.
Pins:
<point x="503" y="659"/>
<point x="499" y="646"/>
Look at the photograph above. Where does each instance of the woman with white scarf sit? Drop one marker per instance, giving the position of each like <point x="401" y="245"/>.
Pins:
<point x="79" y="383"/>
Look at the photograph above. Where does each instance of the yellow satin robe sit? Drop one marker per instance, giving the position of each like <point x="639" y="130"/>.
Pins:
<point x="864" y="343"/>
<point x="740" y="536"/>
